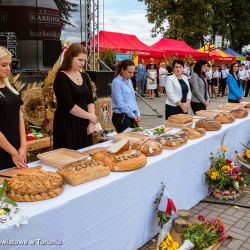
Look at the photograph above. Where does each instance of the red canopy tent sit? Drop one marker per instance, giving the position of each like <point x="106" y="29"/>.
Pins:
<point x="177" y="48"/>
<point x="219" y="55"/>
<point x="125" y="43"/>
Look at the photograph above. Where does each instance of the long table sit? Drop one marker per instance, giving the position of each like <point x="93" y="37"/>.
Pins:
<point x="118" y="211"/>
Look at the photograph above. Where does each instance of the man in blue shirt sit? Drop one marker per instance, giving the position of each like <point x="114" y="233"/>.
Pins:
<point x="141" y="77"/>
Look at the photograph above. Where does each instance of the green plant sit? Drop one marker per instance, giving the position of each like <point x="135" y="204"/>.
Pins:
<point x="204" y="233"/>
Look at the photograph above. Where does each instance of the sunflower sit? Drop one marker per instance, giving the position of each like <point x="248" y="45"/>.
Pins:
<point x="224" y="148"/>
<point x="214" y="175"/>
<point x="247" y="153"/>
<point x="226" y="168"/>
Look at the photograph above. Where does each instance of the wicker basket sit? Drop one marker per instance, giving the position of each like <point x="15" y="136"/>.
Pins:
<point x="40" y="143"/>
<point x="60" y="157"/>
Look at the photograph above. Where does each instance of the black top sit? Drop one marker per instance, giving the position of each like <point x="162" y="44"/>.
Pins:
<point x="71" y="131"/>
<point x="184" y="89"/>
<point x="9" y="125"/>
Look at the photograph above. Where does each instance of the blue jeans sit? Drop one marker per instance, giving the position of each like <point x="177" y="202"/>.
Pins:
<point x="141" y="86"/>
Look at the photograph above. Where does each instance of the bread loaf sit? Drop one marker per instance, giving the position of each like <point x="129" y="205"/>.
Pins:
<point x="224" y="117"/>
<point x="180" y="118"/>
<point x="239" y="113"/>
<point x="119" y="147"/>
<point x="208" y="124"/>
<point x="172" y="141"/>
<point x="35" y="186"/>
<point x="83" y="171"/>
<point x="192" y="133"/>
<point x="148" y="147"/>
<point x="247" y="106"/>
<point x="126" y="161"/>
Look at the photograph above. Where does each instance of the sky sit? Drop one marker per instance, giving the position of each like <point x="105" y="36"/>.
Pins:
<point x="125" y="16"/>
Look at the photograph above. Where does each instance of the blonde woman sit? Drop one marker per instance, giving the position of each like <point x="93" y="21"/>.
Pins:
<point x="151" y="80"/>
<point x="12" y="130"/>
<point x="163" y="72"/>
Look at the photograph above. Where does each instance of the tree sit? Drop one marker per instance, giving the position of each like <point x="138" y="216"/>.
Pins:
<point x="239" y="24"/>
<point x="65" y="8"/>
<point x="197" y="22"/>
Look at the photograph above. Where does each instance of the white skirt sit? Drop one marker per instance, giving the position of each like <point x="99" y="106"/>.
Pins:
<point x="151" y="85"/>
<point x="162" y="81"/>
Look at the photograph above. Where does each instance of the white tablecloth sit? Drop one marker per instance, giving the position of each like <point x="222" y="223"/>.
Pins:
<point x="118" y="211"/>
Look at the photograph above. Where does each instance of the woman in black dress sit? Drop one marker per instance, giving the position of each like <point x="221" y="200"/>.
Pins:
<point x="74" y="119"/>
<point x="12" y="130"/>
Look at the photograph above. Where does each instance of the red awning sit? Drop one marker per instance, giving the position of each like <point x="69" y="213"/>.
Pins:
<point x="126" y="43"/>
<point x="219" y="55"/>
<point x="177" y="47"/>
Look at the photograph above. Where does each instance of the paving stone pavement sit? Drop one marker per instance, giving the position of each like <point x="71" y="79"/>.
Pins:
<point x="234" y="214"/>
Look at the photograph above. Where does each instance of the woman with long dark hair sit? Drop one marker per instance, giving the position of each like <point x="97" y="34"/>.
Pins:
<point x="234" y="84"/>
<point x="74" y="118"/>
<point x="126" y="112"/>
<point x="177" y="90"/>
<point x="199" y="86"/>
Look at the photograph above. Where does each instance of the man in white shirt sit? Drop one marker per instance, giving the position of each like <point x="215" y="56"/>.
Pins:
<point x="224" y="74"/>
<point x="248" y="82"/>
<point x="243" y="75"/>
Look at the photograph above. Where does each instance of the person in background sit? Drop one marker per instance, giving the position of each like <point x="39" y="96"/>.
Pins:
<point x="151" y="80"/>
<point x="223" y="84"/>
<point x="13" y="151"/>
<point x="248" y="82"/>
<point x="199" y="86"/>
<point x="74" y="118"/>
<point x="141" y="77"/>
<point x="234" y="84"/>
<point x="219" y="73"/>
<point x="151" y="61"/>
<point x="243" y="75"/>
<point x="209" y="79"/>
<point x="134" y="81"/>
<point x="214" y="81"/>
<point x="163" y="73"/>
<point x="126" y="112"/>
<point x="177" y="90"/>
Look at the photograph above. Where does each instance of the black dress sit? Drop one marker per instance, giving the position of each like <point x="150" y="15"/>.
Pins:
<point x="9" y="112"/>
<point x="174" y="110"/>
<point x="70" y="131"/>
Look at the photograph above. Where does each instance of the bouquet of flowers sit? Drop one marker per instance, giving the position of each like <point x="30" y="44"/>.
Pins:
<point x="32" y="134"/>
<point x="169" y="244"/>
<point x="244" y="157"/>
<point x="224" y="177"/>
<point x="204" y="233"/>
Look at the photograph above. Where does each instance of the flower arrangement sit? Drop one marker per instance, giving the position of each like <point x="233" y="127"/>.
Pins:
<point x="32" y="134"/>
<point x="224" y="177"/>
<point x="244" y="157"/>
<point x="169" y="244"/>
<point x="204" y="233"/>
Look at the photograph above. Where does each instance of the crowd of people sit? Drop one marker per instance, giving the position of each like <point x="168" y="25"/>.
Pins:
<point x="184" y="85"/>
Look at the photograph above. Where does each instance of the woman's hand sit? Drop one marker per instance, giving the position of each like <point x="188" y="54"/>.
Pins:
<point x="18" y="161"/>
<point x="206" y="103"/>
<point x="137" y="119"/>
<point x="92" y="118"/>
<point x="184" y="107"/>
<point x="23" y="153"/>
<point x="91" y="128"/>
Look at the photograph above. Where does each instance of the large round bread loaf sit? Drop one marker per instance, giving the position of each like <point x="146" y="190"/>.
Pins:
<point x="224" y="117"/>
<point x="192" y="133"/>
<point x="247" y="106"/>
<point x="208" y="124"/>
<point x="148" y="147"/>
<point x="126" y="161"/>
<point x="239" y="113"/>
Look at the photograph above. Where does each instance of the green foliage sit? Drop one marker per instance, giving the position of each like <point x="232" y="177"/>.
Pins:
<point x="3" y="199"/>
<point x="201" y="235"/>
<point x="197" y="22"/>
<point x="108" y="56"/>
<point x="66" y="8"/>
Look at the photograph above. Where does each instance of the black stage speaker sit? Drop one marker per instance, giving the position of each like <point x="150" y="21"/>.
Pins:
<point x="103" y="80"/>
<point x="51" y="52"/>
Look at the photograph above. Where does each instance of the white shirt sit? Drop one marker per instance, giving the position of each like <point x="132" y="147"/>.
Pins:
<point x="224" y="73"/>
<point x="243" y="74"/>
